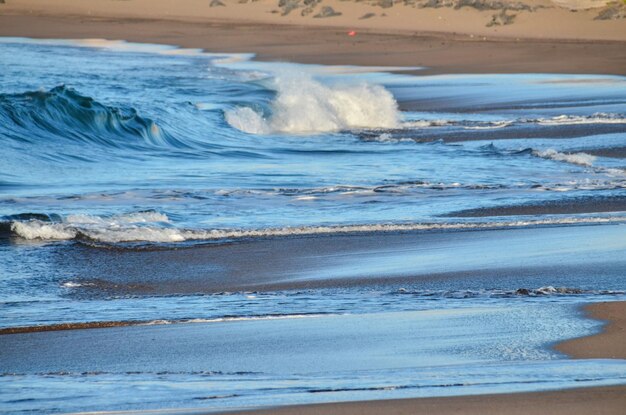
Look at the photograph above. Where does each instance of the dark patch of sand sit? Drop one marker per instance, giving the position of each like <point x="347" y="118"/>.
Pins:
<point x="613" y="152"/>
<point x="561" y="207"/>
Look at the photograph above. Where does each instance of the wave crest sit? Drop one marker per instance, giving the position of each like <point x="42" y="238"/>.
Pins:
<point x="581" y="159"/>
<point x="66" y="114"/>
<point x="305" y="105"/>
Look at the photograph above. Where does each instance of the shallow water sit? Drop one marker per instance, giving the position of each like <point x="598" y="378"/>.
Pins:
<point x="267" y="202"/>
<point x="491" y="348"/>
<point x="138" y="143"/>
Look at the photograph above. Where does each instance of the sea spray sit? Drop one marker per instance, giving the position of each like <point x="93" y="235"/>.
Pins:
<point x="306" y="105"/>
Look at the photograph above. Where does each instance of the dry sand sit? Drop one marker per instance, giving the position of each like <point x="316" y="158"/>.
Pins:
<point x="539" y="19"/>
<point x="459" y="42"/>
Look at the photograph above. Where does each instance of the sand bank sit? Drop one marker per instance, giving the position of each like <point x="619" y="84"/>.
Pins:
<point x="406" y="36"/>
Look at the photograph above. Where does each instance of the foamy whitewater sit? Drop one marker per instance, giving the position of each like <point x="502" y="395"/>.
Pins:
<point x="452" y="224"/>
<point x="304" y="105"/>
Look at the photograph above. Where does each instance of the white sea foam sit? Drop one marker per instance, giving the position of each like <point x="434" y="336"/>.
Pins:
<point x="597" y="118"/>
<point x="388" y="138"/>
<point x="427" y="123"/>
<point x="134" y="217"/>
<point x="100" y="227"/>
<point x="581" y="159"/>
<point x="36" y="229"/>
<point x="305" y="105"/>
<point x="490" y="125"/>
<point x="615" y="172"/>
<point x="247" y="120"/>
<point x="71" y="284"/>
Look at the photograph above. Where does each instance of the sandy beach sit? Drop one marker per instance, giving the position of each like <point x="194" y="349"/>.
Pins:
<point x="406" y="36"/>
<point x="496" y="260"/>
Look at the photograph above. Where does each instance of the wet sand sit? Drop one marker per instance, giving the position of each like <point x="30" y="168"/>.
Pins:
<point x="609" y="344"/>
<point x="606" y="400"/>
<point x="70" y="326"/>
<point x="517" y="258"/>
<point x="561" y="207"/>
<point x="616" y="152"/>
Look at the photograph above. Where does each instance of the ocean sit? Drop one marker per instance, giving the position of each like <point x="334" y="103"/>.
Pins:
<point x="266" y="233"/>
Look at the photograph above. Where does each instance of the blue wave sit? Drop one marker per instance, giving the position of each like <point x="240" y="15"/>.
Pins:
<point x="64" y="114"/>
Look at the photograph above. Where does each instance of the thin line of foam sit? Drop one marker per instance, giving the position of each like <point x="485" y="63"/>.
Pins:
<point x="40" y="230"/>
<point x="597" y="118"/>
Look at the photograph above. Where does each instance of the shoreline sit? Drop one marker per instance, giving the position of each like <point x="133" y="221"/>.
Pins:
<point x="609" y="343"/>
<point x="475" y="20"/>
<point x="436" y="53"/>
<point x="583" y="401"/>
<point x="605" y="399"/>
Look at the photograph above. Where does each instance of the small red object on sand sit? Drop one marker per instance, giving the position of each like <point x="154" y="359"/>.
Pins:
<point x="351" y="33"/>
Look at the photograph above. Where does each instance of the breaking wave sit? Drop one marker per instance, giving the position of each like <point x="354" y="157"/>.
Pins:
<point x="305" y="105"/>
<point x="154" y="227"/>
<point x="581" y="159"/>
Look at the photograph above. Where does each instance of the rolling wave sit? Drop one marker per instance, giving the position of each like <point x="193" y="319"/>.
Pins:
<point x="62" y="113"/>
